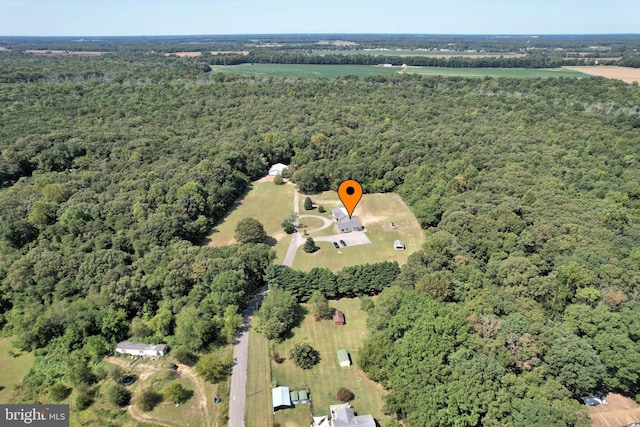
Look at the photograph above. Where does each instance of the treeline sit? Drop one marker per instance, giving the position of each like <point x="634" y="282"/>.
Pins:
<point x="283" y="57"/>
<point x="111" y="67"/>
<point x="350" y="282"/>
<point x="612" y="44"/>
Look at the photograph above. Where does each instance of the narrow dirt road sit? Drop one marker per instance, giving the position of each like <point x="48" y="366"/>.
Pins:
<point x="199" y="393"/>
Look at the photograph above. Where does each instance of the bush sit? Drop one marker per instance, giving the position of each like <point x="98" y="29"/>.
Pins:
<point x="115" y="373"/>
<point x="212" y="367"/>
<point x="321" y="209"/>
<point x="147" y="399"/>
<point x="277" y="180"/>
<point x="59" y="392"/>
<point x="308" y="204"/>
<point x="277" y="358"/>
<point x="288" y="226"/>
<point x="310" y="246"/>
<point x="118" y="395"/>
<point x="366" y="303"/>
<point x="176" y="393"/>
<point x="304" y="356"/>
<point x="344" y="395"/>
<point x="184" y="356"/>
<point x="320" y="306"/>
<point x="83" y="400"/>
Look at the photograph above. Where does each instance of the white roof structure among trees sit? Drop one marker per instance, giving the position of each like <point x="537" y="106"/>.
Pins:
<point x="277" y="169"/>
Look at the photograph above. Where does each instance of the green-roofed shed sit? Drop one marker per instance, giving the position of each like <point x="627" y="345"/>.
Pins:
<point x="294" y="397"/>
<point x="343" y="357"/>
<point x="303" y="396"/>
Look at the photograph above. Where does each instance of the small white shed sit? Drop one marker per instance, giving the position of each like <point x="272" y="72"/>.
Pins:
<point x="398" y="245"/>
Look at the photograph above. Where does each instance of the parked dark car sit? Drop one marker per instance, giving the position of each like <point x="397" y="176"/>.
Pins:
<point x="343" y="243"/>
<point x="336" y="245"/>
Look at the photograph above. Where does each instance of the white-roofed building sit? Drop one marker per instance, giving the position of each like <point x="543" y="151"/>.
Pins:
<point x="281" y="398"/>
<point x="141" y="349"/>
<point x="277" y="169"/>
<point x="342" y="415"/>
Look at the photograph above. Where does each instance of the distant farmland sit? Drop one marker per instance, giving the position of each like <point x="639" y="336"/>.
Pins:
<point x="306" y="70"/>
<point x="409" y="52"/>
<point x="335" y="71"/>
<point x="495" y="72"/>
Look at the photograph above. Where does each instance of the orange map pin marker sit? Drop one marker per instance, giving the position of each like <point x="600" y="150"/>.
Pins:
<point x="350" y="193"/>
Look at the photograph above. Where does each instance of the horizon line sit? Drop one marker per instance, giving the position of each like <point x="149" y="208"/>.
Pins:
<point x="317" y="34"/>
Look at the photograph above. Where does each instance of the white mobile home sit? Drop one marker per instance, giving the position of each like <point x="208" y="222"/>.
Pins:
<point x="140" y="349"/>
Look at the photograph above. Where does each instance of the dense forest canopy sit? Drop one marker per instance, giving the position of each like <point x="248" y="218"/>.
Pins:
<point x="523" y="298"/>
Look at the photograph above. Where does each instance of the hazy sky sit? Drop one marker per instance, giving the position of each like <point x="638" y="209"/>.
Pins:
<point x="168" y="17"/>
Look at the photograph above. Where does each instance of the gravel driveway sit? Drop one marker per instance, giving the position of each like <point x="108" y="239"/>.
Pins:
<point x="351" y="239"/>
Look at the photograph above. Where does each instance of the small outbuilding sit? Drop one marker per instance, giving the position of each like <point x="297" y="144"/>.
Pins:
<point x="343" y="357"/>
<point x="281" y="398"/>
<point x="299" y="397"/>
<point x="338" y="318"/>
<point x="398" y="245"/>
<point x="303" y="396"/>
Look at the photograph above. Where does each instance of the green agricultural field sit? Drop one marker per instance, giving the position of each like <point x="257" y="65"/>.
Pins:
<point x="305" y="70"/>
<point x="334" y="71"/>
<point x="376" y="212"/>
<point x="324" y="379"/>
<point x="266" y="202"/>
<point x="15" y="364"/>
<point x="495" y="72"/>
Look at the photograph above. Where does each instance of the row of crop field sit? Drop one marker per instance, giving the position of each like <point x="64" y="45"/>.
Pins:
<point x="335" y="71"/>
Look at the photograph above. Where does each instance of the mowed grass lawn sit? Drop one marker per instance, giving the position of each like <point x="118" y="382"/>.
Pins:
<point x="266" y="202"/>
<point x="324" y="379"/>
<point x="14" y="367"/>
<point x="258" y="405"/>
<point x="376" y="212"/>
